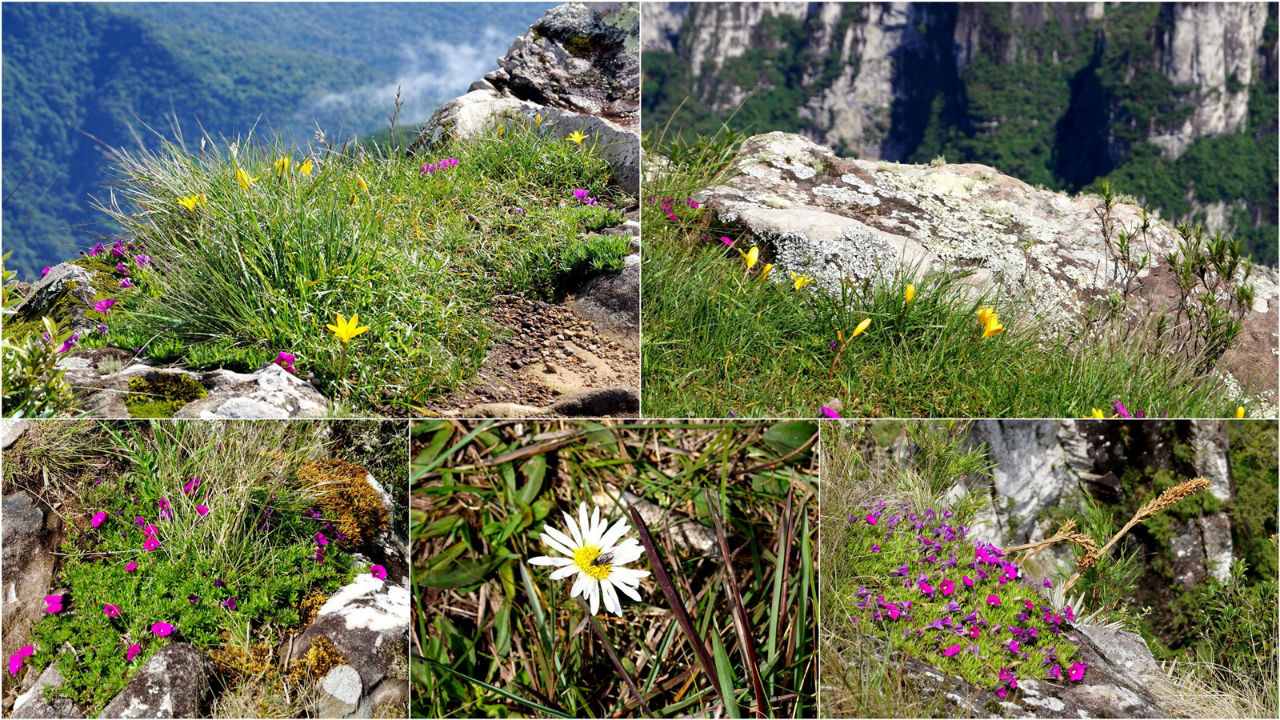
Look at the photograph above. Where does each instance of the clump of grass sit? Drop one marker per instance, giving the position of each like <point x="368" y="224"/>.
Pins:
<point x="204" y="526"/>
<point x="255" y="247"/>
<point x="719" y="340"/>
<point x="494" y="637"/>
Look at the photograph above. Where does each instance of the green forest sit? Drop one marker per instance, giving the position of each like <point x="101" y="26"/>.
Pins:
<point x="82" y="77"/>
<point x="1063" y="106"/>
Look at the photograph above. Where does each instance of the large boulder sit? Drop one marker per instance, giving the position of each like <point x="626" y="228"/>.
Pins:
<point x="836" y="220"/>
<point x="172" y="684"/>
<point x="576" y="69"/>
<point x="367" y="623"/>
<point x="31" y="703"/>
<point x="30" y="537"/>
<point x="65" y="293"/>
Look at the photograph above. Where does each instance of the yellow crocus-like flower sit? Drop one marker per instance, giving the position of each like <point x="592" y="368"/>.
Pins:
<point x="500" y="129"/>
<point x="752" y="256"/>
<point x="862" y="327"/>
<point x="537" y="119"/>
<point x="282" y="165"/>
<point x="993" y="326"/>
<point x="984" y="313"/>
<point x="799" y="281"/>
<point x="764" y="274"/>
<point x="346" y="330"/>
<point x="1096" y="414"/>
<point x="576" y="137"/>
<point x="363" y="185"/>
<point x="191" y="202"/>
<point x="243" y="178"/>
<point x="305" y="168"/>
<point x="909" y="295"/>
<point x="1239" y="412"/>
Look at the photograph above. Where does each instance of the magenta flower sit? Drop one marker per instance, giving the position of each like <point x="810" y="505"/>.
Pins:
<point x="191" y="486"/>
<point x="581" y="194"/>
<point x="69" y="343"/>
<point x="1013" y="646"/>
<point x="166" y="511"/>
<point x="726" y="241"/>
<point x="111" y="610"/>
<point x="378" y="571"/>
<point x="98" y="519"/>
<point x="993" y="601"/>
<point x="691" y="203"/>
<point x="117" y="250"/>
<point x="131" y="567"/>
<point x="229" y="603"/>
<point x="321" y="540"/>
<point x="45" y="271"/>
<point x="162" y="629"/>
<point x="947" y="587"/>
<point x="1120" y="409"/>
<point x="16" y="659"/>
<point x="875" y="548"/>
<point x="53" y="604"/>
<point x="285" y="360"/>
<point x="872" y="518"/>
<point x="149" y="530"/>
<point x="926" y="588"/>
<point x="202" y="510"/>
<point x="829" y="413"/>
<point x="126" y="284"/>
<point x="1076" y="672"/>
<point x="968" y="581"/>
<point x="132" y="652"/>
<point x="104" y="306"/>
<point x="142" y="260"/>
<point x="151" y="544"/>
<point x="122" y="268"/>
<point x="97" y="249"/>
<point x="952" y="650"/>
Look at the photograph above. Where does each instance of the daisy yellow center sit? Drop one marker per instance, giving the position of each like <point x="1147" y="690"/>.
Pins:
<point x="583" y="556"/>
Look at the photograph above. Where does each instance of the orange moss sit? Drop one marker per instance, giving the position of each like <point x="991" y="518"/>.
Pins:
<point x="347" y="498"/>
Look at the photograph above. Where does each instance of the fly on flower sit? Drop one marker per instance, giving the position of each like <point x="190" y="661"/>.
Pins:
<point x="594" y="552"/>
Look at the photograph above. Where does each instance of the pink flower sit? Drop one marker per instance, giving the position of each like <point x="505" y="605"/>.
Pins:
<point x="968" y="581"/>
<point x="98" y="519"/>
<point x="926" y="588"/>
<point x="122" y="268"/>
<point x="53" y="604"/>
<point x="142" y="260"/>
<point x="378" y="571"/>
<point x="165" y="509"/>
<point x="117" y="250"/>
<point x="151" y="544"/>
<point x="951" y="651"/>
<point x="872" y="518"/>
<point x="285" y="360"/>
<point x="202" y="510"/>
<point x="149" y="530"/>
<point x="993" y="601"/>
<point x="97" y="249"/>
<point x="131" y="567"/>
<point x="104" y="306"/>
<point x="829" y="413"/>
<point x="126" y="284"/>
<point x="111" y="610"/>
<point x="1002" y="692"/>
<point x="975" y="631"/>
<point x="947" y="586"/>
<point x="190" y="487"/>
<point x="1076" y="673"/>
<point x="875" y="548"/>
<point x="162" y="629"/>
<point x="726" y="241"/>
<point x="45" y="271"/>
<point x="321" y="540"/>
<point x="16" y="659"/>
<point x="1013" y="646"/>
<point x="132" y="652"/>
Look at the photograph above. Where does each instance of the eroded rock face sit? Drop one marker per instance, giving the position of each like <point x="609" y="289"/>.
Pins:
<point x="367" y="622"/>
<point x="30" y="537"/>
<point x="578" y="70"/>
<point x="64" y="293"/>
<point x="172" y="684"/>
<point x="838" y="220"/>
<point x="31" y="703"/>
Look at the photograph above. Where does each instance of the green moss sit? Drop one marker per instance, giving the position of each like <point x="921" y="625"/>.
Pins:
<point x="582" y="46"/>
<point x="160" y="395"/>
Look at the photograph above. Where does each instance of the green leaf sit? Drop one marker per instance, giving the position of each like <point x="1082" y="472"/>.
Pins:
<point x="724" y="669"/>
<point x="788" y="436"/>
<point x="462" y="574"/>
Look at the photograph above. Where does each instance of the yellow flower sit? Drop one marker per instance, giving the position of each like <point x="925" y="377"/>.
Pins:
<point x="799" y="281"/>
<point x="500" y="129"/>
<point x="752" y="256"/>
<point x="909" y="295"/>
<point x="984" y="313"/>
<point x="576" y="137"/>
<point x="243" y="178"/>
<point x="282" y="165"/>
<point x="764" y="274"/>
<point x="1096" y="414"/>
<point x="993" y="326"/>
<point x="363" y="185"/>
<point x="1240" y="412"/>
<point x="305" y="168"/>
<point x="190" y="202"/>
<point x="862" y="326"/>
<point x="537" y="119"/>
<point x="346" y="330"/>
<point x="840" y="335"/>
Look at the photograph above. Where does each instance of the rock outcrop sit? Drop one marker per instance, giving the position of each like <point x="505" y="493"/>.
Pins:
<point x="838" y="220"/>
<point x="31" y="536"/>
<point x="578" y="69"/>
<point x="172" y="684"/>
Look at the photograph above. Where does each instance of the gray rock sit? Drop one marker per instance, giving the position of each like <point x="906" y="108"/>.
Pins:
<point x="271" y="392"/>
<point x="340" y="692"/>
<point x="1125" y="650"/>
<point x="30" y="537"/>
<point x="64" y="293"/>
<point x="612" y="300"/>
<point x="31" y="703"/>
<point x="390" y="693"/>
<point x="599" y="402"/>
<point x="368" y="623"/>
<point x="172" y="684"/>
<point x="1215" y="539"/>
<point x="11" y="430"/>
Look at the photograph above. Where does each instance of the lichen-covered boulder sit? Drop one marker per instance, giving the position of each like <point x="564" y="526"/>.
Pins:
<point x="31" y="703"/>
<point x="172" y="684"/>
<point x="64" y="294"/>
<point x="270" y="392"/>
<point x="836" y="220"/>
<point x="30" y="537"/>
<point x="576" y="70"/>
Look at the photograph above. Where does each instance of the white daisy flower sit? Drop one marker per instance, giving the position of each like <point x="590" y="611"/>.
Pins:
<point x="596" y="556"/>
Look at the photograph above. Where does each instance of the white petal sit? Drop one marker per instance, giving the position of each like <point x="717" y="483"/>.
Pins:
<point x="583" y="525"/>
<point x="572" y="528"/>
<point x="619" y="529"/>
<point x="630" y="591"/>
<point x="580" y="585"/>
<point x="611" y="599"/>
<point x="563" y="542"/>
<point x="597" y="526"/>
<point x="564" y="572"/>
<point x="624" y="554"/>
<point x="630" y="576"/>
<point x="547" y="560"/>
<point x="595" y="597"/>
